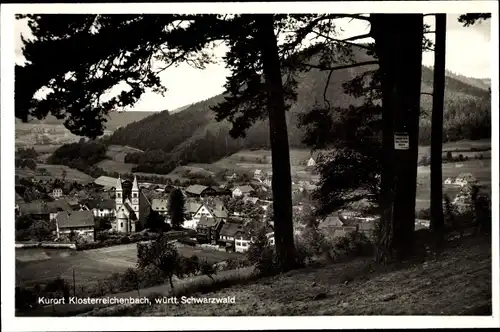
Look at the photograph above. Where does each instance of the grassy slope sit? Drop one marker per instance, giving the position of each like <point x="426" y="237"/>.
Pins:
<point x="456" y="283"/>
<point x="114" y="120"/>
<point x="55" y="171"/>
<point x="37" y="265"/>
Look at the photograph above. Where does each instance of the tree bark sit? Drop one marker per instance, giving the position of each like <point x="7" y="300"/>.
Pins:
<point x="281" y="179"/>
<point x="398" y="44"/>
<point x="437" y="218"/>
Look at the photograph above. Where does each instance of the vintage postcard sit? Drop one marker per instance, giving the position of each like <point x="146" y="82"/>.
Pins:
<point x="290" y="165"/>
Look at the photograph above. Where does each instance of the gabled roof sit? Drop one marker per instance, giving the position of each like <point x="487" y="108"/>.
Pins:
<point x="100" y="204"/>
<point x="33" y="208"/>
<point x="192" y="206"/>
<point x="75" y="219"/>
<point x="250" y="199"/>
<point x="106" y="181"/>
<point x="245" y="189"/>
<point x="196" y="189"/>
<point x="216" y="207"/>
<point x="208" y="222"/>
<point x="59" y="205"/>
<point x="231" y="228"/>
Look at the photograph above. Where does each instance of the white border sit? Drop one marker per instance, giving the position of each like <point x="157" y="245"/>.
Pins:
<point x="11" y="323"/>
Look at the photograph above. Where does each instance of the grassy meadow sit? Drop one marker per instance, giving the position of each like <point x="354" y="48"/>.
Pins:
<point x="35" y="265"/>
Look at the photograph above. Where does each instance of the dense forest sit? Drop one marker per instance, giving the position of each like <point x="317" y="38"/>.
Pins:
<point x="193" y="135"/>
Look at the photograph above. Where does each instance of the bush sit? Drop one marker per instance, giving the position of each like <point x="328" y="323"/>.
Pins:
<point x="188" y="241"/>
<point x="261" y="254"/>
<point x="424" y="214"/>
<point x="354" y="244"/>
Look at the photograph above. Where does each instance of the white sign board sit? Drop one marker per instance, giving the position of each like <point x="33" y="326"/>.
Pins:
<point x="401" y="141"/>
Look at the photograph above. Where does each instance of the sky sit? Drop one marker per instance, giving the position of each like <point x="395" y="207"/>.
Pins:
<point x="468" y="53"/>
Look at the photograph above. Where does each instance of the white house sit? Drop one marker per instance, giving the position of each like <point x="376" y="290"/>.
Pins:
<point x="242" y="241"/>
<point x="57" y="192"/>
<point x="448" y="181"/>
<point x="311" y="162"/>
<point x="160" y="205"/>
<point x="101" y="207"/>
<point x="242" y="191"/>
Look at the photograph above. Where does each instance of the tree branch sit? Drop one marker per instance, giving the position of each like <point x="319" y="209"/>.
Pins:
<point x="352" y="65"/>
<point x="326" y="88"/>
<point x="342" y="41"/>
<point x="366" y="35"/>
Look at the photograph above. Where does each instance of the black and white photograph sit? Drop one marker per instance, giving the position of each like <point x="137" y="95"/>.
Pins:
<point x="328" y="160"/>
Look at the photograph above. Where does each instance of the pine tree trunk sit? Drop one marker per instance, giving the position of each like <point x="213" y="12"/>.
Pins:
<point x="281" y="179"/>
<point x="437" y="218"/>
<point x="398" y="39"/>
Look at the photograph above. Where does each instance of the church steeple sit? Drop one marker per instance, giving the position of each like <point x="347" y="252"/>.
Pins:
<point x="118" y="193"/>
<point x="135" y="187"/>
<point x="119" y="183"/>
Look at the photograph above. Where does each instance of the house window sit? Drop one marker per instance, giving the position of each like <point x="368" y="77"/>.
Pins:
<point x="121" y="224"/>
<point x="134" y="195"/>
<point x="119" y="195"/>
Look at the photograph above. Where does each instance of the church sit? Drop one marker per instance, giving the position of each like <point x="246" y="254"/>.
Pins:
<point x="131" y="206"/>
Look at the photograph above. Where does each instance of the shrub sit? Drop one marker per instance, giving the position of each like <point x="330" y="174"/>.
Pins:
<point x="150" y="276"/>
<point x="187" y="241"/>
<point x="424" y="214"/>
<point x="125" y="240"/>
<point x="354" y="244"/>
<point x="261" y="253"/>
<point x="207" y="269"/>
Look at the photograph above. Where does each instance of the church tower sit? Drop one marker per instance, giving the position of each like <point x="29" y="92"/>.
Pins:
<point x="118" y="193"/>
<point x="135" y="197"/>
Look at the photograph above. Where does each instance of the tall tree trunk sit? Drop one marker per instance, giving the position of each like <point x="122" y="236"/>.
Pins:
<point x="398" y="43"/>
<point x="437" y="218"/>
<point x="281" y="179"/>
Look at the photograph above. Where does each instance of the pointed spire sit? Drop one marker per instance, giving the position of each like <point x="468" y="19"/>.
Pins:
<point x="119" y="183"/>
<point x="134" y="185"/>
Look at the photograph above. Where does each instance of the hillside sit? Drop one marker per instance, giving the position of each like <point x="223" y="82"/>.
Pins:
<point x="193" y="134"/>
<point x="115" y="120"/>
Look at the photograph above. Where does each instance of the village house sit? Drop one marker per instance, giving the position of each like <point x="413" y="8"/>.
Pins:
<point x="208" y="229"/>
<point x="43" y="210"/>
<point x="448" y="181"/>
<point x="257" y="174"/>
<point x="231" y="177"/>
<point x="248" y="199"/>
<point x="100" y="207"/>
<point x="160" y="205"/>
<point x="227" y="234"/>
<point x="191" y="207"/>
<point x="57" y="192"/>
<point x="197" y="190"/>
<point x="311" y="162"/>
<point x="243" y="240"/>
<point x="245" y="190"/>
<point x="211" y="208"/>
<point x="75" y="223"/>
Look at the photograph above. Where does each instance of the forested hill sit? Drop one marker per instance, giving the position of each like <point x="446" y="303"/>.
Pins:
<point x="193" y="134"/>
<point x="114" y="121"/>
